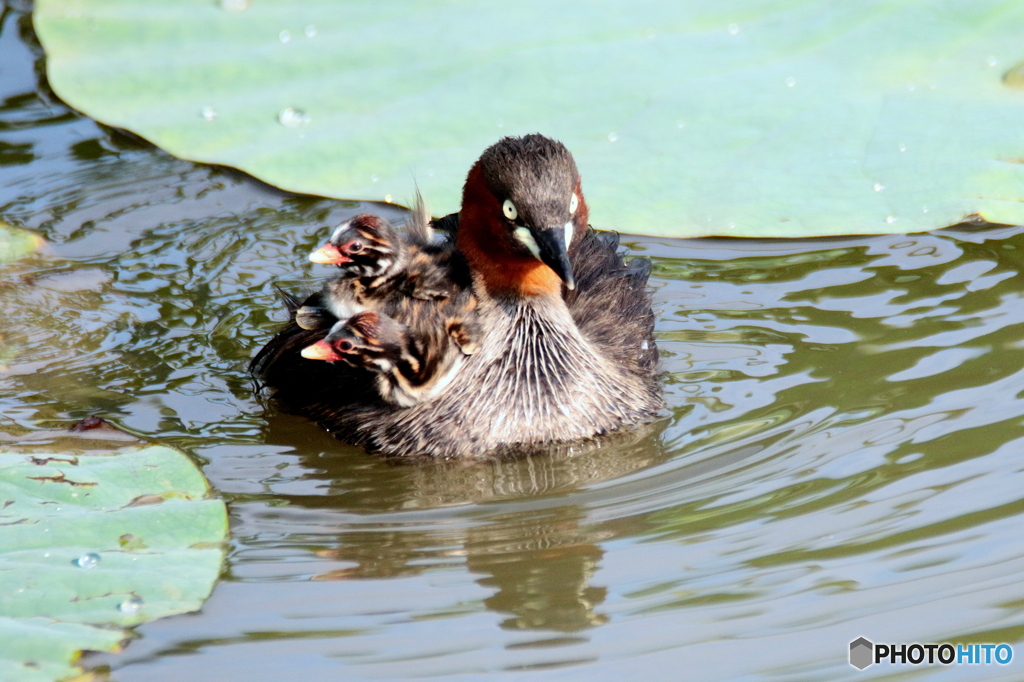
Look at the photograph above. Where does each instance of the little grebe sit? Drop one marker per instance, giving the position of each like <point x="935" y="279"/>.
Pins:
<point x="566" y="348"/>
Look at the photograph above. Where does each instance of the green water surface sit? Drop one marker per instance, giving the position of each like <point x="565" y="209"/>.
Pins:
<point x="842" y="455"/>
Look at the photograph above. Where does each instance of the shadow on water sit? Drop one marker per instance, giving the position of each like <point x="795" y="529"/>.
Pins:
<point x="840" y="457"/>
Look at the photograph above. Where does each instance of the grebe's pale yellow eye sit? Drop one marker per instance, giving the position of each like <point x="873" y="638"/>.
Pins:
<point x="574" y="203"/>
<point x="510" y="210"/>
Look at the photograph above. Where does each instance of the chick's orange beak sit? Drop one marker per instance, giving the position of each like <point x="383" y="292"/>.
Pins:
<point x="321" y="350"/>
<point x="329" y="254"/>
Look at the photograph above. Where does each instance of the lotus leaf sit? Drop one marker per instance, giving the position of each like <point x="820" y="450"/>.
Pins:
<point x="767" y="118"/>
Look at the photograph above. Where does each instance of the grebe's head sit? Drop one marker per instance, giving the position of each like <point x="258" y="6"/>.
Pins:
<point x="364" y="340"/>
<point x="365" y="246"/>
<point x="523" y="208"/>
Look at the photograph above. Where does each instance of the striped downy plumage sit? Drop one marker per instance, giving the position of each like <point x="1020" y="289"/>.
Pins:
<point x="566" y="347"/>
<point x="368" y="252"/>
<point x="416" y="294"/>
<point x="378" y="266"/>
<point x="365" y="246"/>
<point x="410" y="364"/>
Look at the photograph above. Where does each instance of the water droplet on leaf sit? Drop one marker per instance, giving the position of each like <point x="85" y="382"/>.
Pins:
<point x="90" y="560"/>
<point x="879" y="187"/>
<point x="734" y="29"/>
<point x="903" y="147"/>
<point x="612" y="137"/>
<point x="891" y="219"/>
<point x="790" y="82"/>
<point x="130" y="605"/>
<point x="284" y="36"/>
<point x="293" y="118"/>
<point x="310" y="31"/>
<point x="209" y="113"/>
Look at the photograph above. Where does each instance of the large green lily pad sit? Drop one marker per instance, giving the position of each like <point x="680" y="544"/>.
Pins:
<point x="93" y="541"/>
<point x="740" y="117"/>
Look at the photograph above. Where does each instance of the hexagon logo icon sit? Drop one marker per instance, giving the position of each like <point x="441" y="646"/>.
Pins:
<point x="861" y="653"/>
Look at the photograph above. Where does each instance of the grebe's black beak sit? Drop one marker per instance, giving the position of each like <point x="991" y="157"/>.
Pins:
<point x="554" y="253"/>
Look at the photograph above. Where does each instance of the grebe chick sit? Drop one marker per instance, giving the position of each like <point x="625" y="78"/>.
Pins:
<point x="410" y="365"/>
<point x="379" y="268"/>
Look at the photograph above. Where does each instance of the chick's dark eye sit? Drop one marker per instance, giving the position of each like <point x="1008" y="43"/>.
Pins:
<point x="345" y="346"/>
<point x="355" y="247"/>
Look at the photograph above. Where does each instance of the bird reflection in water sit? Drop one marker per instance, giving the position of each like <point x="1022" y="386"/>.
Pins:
<point x="539" y="559"/>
